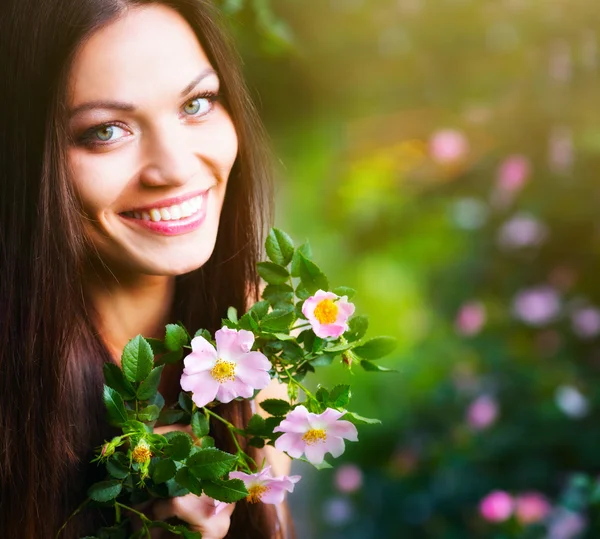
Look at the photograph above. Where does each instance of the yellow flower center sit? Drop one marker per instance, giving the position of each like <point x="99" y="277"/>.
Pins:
<point x="223" y="371"/>
<point x="326" y="311"/>
<point x="141" y="453"/>
<point x="314" y="436"/>
<point x="256" y="493"/>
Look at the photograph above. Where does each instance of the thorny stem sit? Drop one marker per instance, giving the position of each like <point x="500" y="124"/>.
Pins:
<point x="233" y="430"/>
<point x="292" y="379"/>
<point x="145" y="520"/>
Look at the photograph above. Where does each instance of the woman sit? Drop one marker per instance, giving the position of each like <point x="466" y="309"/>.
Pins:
<point x="133" y="190"/>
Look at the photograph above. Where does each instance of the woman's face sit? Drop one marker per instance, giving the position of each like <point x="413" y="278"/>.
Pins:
<point x="152" y="147"/>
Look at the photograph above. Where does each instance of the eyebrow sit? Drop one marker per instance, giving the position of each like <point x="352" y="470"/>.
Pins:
<point x="129" y="107"/>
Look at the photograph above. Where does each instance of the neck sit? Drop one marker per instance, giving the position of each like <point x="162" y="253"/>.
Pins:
<point x="128" y="307"/>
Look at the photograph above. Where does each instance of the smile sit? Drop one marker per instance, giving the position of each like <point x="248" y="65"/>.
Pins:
<point x="171" y="213"/>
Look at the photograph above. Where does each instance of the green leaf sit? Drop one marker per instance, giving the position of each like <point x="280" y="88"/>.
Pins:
<point x="279" y="247"/>
<point x="357" y="327"/>
<point x="272" y="273"/>
<point x="207" y="441"/>
<point x="149" y="413"/>
<point x="137" y="359"/>
<point x="185" y="478"/>
<point x="105" y="491"/>
<point x="322" y="360"/>
<point x="200" y="426"/>
<point x="185" y="401"/>
<point x="229" y="491"/>
<point x="170" y="357"/>
<point x="204" y="333"/>
<point x="117" y="415"/>
<point x="312" y="277"/>
<point x="180" y="444"/>
<point x="339" y="396"/>
<point x="344" y="291"/>
<point x="260" y="309"/>
<point x="256" y="442"/>
<point x="117" y="469"/>
<point x="372" y="367"/>
<point x="279" y="319"/>
<point x="376" y="348"/>
<point x="210" y="463"/>
<point x="149" y="386"/>
<point x="134" y="427"/>
<point x="276" y="407"/>
<point x="304" y="251"/>
<point x="360" y="420"/>
<point x="114" y="378"/>
<point x="249" y="322"/>
<point x="176" y="337"/>
<point x="256" y="425"/>
<point x="163" y="471"/>
<point x="232" y="314"/>
<point x="278" y="294"/>
<point x="322" y="395"/>
<point x="158" y="346"/>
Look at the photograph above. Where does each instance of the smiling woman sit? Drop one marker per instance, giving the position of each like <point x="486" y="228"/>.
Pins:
<point x="134" y="191"/>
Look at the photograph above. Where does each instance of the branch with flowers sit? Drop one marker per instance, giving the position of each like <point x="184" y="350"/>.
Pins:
<point x="299" y="325"/>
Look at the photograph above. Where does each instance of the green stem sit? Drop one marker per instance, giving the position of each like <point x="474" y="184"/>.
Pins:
<point x="145" y="520"/>
<point x="81" y="506"/>
<point x="301" y="326"/>
<point x="292" y="379"/>
<point x="233" y="429"/>
<point x="117" y="514"/>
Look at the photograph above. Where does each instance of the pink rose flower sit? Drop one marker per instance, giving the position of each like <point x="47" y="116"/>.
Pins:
<point x="328" y="314"/>
<point x="314" y="434"/>
<point x="265" y="488"/>
<point x="531" y="507"/>
<point x="513" y="173"/>
<point x="448" y="146"/>
<point x="537" y="306"/>
<point x="482" y="412"/>
<point x="497" y="506"/>
<point x="470" y="318"/>
<point x="230" y="371"/>
<point x="348" y="478"/>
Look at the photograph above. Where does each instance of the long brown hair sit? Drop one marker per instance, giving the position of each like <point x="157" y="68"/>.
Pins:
<point x="50" y="354"/>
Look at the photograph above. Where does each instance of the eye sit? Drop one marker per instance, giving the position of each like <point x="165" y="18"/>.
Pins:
<point x="105" y="133"/>
<point x="102" y="135"/>
<point x="200" y="105"/>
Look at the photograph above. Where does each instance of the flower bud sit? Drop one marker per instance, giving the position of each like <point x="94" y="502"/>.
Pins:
<point x="141" y="452"/>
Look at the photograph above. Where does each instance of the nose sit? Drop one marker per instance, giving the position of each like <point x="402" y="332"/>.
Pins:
<point x="170" y="159"/>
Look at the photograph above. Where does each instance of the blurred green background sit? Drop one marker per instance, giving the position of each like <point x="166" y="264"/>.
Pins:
<point x="441" y="157"/>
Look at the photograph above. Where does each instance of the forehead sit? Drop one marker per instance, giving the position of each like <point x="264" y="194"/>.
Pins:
<point x="149" y="52"/>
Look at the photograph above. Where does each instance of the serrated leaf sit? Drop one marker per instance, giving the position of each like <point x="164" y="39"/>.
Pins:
<point x="200" y="425"/>
<point x="207" y="441"/>
<point x="256" y="425"/>
<point x="185" y="401"/>
<point x="117" y="414"/>
<point x="339" y="396"/>
<point x="163" y="471"/>
<point x="134" y="427"/>
<point x="312" y="277"/>
<point x="229" y="491"/>
<point x="304" y="251"/>
<point x="276" y="407"/>
<point x="170" y="358"/>
<point x="137" y="359"/>
<point x="278" y="294"/>
<point x="114" y="378"/>
<point x="158" y="346"/>
<point x="176" y="337"/>
<point x="279" y="247"/>
<point x="248" y="322"/>
<point x="344" y="291"/>
<point x="180" y="444"/>
<point x="117" y="469"/>
<point x="372" y="367"/>
<point x="149" y="413"/>
<point x="357" y="328"/>
<point x="260" y="309"/>
<point x="185" y="478"/>
<point x="149" y="386"/>
<point x="256" y="442"/>
<point x="204" y="333"/>
<point x="322" y="395"/>
<point x="278" y="319"/>
<point x="210" y="463"/>
<point x="376" y="348"/>
<point x="272" y="273"/>
<point x="105" y="491"/>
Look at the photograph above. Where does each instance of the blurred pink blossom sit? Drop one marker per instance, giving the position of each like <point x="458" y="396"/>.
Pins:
<point x="470" y="318"/>
<point x="531" y="507"/>
<point x="497" y="506"/>
<point x="522" y="231"/>
<point x="565" y="524"/>
<point x="560" y="65"/>
<point x="482" y="412"/>
<point x="560" y="149"/>
<point x="448" y="146"/>
<point x="586" y="322"/>
<point x="348" y="478"/>
<point x="513" y="173"/>
<point x="537" y="306"/>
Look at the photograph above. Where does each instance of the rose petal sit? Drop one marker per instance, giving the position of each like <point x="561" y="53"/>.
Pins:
<point x="253" y="377"/>
<point x="291" y="443"/>
<point x="315" y="453"/>
<point x="231" y="390"/>
<point x="203" y="387"/>
<point x="255" y="360"/>
<point x="335" y="445"/>
<point x="344" y="429"/>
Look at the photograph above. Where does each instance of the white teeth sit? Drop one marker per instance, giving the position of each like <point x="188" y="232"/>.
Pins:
<point x="172" y="213"/>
